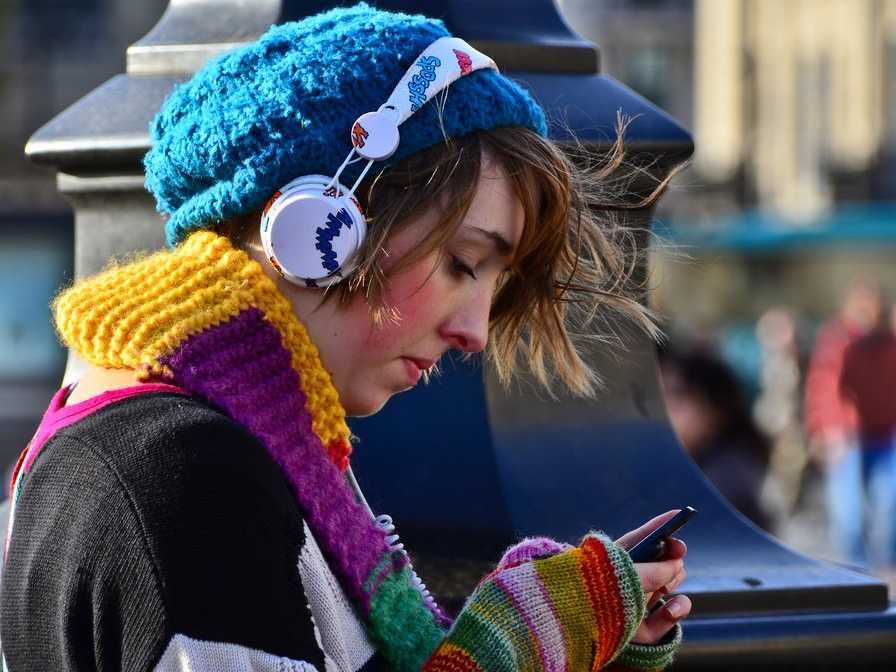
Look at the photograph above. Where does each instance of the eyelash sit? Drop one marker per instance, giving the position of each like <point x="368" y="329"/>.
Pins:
<point x="461" y="268"/>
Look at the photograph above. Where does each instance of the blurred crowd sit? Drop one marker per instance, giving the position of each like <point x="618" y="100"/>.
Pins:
<point x="819" y="413"/>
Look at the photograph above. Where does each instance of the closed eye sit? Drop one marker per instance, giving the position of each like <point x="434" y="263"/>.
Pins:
<point x="461" y="268"/>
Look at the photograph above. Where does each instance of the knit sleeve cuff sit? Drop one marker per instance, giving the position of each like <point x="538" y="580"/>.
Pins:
<point x="650" y="657"/>
<point x="628" y="582"/>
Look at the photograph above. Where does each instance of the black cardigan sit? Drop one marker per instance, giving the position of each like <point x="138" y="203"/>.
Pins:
<point x="157" y="529"/>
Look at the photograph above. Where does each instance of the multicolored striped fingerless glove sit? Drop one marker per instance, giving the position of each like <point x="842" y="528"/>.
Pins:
<point x="553" y="607"/>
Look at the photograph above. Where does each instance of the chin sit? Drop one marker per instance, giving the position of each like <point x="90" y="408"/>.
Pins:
<point x="365" y="405"/>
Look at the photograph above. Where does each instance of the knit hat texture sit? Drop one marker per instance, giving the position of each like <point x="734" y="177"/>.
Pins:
<point x="281" y="107"/>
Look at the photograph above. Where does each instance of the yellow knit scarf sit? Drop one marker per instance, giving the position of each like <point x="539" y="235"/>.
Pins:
<point x="130" y="316"/>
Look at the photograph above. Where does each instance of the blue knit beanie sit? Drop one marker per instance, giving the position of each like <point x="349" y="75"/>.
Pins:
<point x="257" y="117"/>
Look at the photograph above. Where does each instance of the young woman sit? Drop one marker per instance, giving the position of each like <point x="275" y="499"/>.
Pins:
<point x="187" y="505"/>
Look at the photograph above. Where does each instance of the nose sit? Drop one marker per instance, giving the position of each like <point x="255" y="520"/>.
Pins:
<point x="466" y="327"/>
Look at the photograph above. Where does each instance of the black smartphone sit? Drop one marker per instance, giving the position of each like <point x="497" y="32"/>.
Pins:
<point x="652" y="547"/>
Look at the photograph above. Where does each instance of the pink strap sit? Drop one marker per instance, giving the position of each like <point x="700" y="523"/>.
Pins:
<point x="58" y="415"/>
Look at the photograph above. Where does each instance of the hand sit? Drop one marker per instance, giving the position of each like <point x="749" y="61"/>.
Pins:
<point x="582" y="586"/>
<point x="657" y="579"/>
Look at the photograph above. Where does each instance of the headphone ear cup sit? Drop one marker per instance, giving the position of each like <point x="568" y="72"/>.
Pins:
<point x="311" y="235"/>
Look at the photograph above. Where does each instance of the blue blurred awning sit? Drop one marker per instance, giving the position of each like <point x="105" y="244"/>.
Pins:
<point x="761" y="232"/>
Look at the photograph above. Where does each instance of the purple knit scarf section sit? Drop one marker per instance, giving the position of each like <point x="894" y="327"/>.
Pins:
<point x="243" y="368"/>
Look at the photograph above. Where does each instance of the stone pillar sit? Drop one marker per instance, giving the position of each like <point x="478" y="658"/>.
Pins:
<point x="97" y="144"/>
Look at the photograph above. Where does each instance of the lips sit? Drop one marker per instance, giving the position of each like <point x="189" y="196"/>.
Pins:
<point x="422" y="363"/>
<point x="415" y="366"/>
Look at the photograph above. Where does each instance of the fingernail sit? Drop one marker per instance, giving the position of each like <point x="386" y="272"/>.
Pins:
<point x="674" y="609"/>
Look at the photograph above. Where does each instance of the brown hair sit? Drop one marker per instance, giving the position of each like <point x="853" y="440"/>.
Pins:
<point x="573" y="274"/>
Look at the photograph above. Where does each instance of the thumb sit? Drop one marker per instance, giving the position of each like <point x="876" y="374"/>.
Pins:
<point x="629" y="539"/>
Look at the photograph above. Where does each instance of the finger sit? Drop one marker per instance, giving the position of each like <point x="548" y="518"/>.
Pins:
<point x="675" y="609"/>
<point x="675" y="548"/>
<point x="657" y="624"/>
<point x="629" y="539"/>
<point x="654" y="599"/>
<point x="677" y="581"/>
<point x="674" y="584"/>
<point x="656" y="575"/>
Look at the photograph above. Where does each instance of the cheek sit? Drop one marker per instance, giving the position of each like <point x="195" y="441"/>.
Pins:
<point x="413" y="295"/>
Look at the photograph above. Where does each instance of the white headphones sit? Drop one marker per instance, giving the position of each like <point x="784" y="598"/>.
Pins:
<point x="312" y="228"/>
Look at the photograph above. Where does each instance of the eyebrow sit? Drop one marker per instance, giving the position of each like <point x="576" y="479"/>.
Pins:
<point x="504" y="246"/>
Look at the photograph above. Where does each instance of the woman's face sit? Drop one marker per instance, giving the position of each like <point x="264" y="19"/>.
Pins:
<point x="440" y="302"/>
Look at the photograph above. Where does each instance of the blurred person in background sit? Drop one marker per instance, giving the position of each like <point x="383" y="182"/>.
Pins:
<point x="830" y="420"/>
<point x="776" y="410"/>
<point x="869" y="473"/>
<point x="711" y="416"/>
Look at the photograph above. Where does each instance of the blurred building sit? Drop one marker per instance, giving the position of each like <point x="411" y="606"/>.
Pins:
<point x="792" y="104"/>
<point x="793" y="108"/>
<point x="799" y="96"/>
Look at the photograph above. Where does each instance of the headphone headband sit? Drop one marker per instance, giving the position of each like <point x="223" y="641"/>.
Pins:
<point x="375" y="135"/>
<point x="443" y="62"/>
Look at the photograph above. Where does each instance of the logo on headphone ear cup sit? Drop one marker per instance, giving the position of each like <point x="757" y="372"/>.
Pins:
<point x="310" y="234"/>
